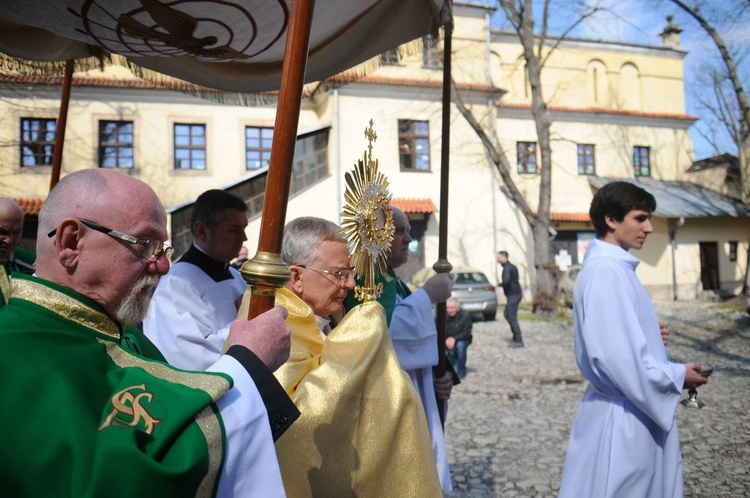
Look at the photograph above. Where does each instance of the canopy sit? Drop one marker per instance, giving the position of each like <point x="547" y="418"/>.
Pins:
<point x="237" y="46"/>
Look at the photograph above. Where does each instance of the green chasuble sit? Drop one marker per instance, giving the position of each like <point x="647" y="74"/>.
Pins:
<point x="387" y="298"/>
<point x="83" y="417"/>
<point x="22" y="260"/>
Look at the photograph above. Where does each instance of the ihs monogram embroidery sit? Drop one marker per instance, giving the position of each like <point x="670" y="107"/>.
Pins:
<point x="129" y="412"/>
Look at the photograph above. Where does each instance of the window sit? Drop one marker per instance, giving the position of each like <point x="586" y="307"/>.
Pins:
<point x="733" y="250"/>
<point x="431" y="52"/>
<point x="190" y="146"/>
<point x="116" y="144"/>
<point x="310" y="160"/>
<point x="630" y="87"/>
<point x="414" y="145"/>
<point x="391" y="57"/>
<point x="586" y="159"/>
<point x="526" y="152"/>
<point x="597" y="84"/>
<point x="257" y="147"/>
<point x="37" y="141"/>
<point x="641" y="161"/>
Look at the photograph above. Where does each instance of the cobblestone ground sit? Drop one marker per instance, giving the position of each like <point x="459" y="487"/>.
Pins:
<point x="510" y="419"/>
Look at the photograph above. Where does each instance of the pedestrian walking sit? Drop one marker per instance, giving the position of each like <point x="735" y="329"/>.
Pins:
<point x="513" y="295"/>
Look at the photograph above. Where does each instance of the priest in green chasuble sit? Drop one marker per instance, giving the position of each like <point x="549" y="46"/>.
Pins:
<point x="84" y="416"/>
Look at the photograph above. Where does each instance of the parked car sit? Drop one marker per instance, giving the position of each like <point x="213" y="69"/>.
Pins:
<point x="565" y="284"/>
<point x="471" y="288"/>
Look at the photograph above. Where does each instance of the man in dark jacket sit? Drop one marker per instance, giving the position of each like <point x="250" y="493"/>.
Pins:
<point x="513" y="295"/>
<point x="457" y="335"/>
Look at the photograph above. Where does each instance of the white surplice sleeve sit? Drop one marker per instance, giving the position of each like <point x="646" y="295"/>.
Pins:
<point x="250" y="465"/>
<point x="413" y="331"/>
<point x="190" y="314"/>
<point x="414" y="337"/>
<point x="622" y="353"/>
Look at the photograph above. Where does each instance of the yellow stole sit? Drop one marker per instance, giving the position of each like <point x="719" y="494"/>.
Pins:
<point x="363" y="430"/>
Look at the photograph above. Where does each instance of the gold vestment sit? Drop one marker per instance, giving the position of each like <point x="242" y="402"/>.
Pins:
<point x="363" y="430"/>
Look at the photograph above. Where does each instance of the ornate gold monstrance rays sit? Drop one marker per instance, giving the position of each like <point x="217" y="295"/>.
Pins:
<point x="368" y="221"/>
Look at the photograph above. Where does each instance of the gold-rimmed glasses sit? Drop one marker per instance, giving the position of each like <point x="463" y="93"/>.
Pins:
<point x="152" y="248"/>
<point x="341" y="276"/>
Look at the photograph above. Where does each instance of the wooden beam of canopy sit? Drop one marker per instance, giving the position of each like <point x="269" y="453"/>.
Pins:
<point x="62" y="120"/>
<point x="442" y="265"/>
<point x="266" y="272"/>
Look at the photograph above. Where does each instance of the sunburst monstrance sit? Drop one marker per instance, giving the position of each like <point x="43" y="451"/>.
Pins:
<point x="368" y="221"/>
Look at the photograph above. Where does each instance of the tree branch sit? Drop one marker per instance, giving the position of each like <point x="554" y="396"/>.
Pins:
<point x="497" y="156"/>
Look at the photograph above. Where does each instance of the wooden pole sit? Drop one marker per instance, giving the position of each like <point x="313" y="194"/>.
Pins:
<point x="442" y="265"/>
<point x="62" y="121"/>
<point x="266" y="272"/>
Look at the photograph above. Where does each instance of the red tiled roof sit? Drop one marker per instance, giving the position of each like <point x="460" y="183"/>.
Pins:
<point x="415" y="82"/>
<point x="30" y="206"/>
<point x="599" y="110"/>
<point x="560" y="216"/>
<point x="414" y="205"/>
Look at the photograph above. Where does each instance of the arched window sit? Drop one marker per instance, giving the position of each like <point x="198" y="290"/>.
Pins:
<point x="596" y="83"/>
<point x="629" y="96"/>
<point x="520" y="78"/>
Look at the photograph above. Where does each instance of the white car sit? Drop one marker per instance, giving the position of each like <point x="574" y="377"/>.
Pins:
<point x="471" y="288"/>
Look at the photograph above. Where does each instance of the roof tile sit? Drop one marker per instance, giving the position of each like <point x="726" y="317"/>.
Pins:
<point x="412" y="205"/>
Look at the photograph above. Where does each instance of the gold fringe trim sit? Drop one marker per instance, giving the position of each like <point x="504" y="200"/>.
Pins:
<point x="163" y="81"/>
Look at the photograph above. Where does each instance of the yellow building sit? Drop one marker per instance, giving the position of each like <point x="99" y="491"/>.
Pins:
<point x="618" y="111"/>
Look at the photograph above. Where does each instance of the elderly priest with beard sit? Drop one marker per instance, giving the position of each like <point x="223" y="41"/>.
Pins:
<point x="88" y="413"/>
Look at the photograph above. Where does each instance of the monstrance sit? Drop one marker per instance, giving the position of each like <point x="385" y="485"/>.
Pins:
<point x="367" y="221"/>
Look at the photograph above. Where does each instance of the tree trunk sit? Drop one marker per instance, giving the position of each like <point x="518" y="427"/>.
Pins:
<point x="544" y="296"/>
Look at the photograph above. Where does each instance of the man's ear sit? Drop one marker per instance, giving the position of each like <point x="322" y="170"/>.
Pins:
<point x="611" y="222"/>
<point x="67" y="241"/>
<point x="295" y="284"/>
<point x="200" y="230"/>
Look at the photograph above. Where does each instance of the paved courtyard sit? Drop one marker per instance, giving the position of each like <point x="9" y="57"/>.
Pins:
<point x="510" y="419"/>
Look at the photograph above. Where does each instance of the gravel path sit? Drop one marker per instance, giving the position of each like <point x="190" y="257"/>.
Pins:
<point x="510" y="419"/>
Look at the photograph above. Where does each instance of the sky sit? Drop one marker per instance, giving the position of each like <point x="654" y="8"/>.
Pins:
<point x="641" y="21"/>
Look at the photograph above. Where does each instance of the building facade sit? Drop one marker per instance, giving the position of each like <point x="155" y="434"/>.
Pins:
<point x="618" y="111"/>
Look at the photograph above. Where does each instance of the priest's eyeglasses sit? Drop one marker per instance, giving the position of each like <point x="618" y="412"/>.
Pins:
<point x="152" y="248"/>
<point x="341" y="276"/>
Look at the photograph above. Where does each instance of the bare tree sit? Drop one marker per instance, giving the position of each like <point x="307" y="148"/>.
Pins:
<point x="537" y="47"/>
<point x="737" y="126"/>
<point x="734" y="116"/>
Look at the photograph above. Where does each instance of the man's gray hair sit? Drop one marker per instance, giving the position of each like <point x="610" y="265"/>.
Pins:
<point x="303" y="236"/>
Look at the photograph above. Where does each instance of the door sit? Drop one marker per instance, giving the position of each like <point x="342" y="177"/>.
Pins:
<point x="710" y="265"/>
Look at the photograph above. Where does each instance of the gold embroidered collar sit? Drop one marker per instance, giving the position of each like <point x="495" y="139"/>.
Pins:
<point x="4" y="284"/>
<point x="66" y="306"/>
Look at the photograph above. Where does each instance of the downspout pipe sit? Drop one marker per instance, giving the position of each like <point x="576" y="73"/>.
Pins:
<point x="337" y="160"/>
<point x="674" y="224"/>
<point x="491" y="119"/>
